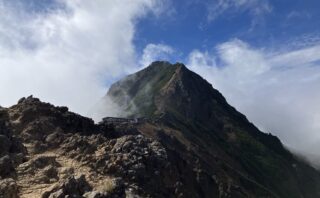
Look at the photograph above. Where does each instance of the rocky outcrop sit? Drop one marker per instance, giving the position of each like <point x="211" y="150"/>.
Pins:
<point x="140" y="162"/>
<point x="65" y="154"/>
<point x="12" y="151"/>
<point x="72" y="187"/>
<point x="33" y="120"/>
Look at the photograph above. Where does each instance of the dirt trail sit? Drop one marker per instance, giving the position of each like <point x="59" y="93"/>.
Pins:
<point x="29" y="188"/>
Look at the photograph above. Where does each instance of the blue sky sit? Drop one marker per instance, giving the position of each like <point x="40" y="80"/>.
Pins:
<point x="187" y="25"/>
<point x="262" y="55"/>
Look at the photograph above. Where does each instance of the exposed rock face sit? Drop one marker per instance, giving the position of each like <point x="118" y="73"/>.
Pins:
<point x="57" y="153"/>
<point x="191" y="143"/>
<point x="12" y="151"/>
<point x="196" y="125"/>
<point x="34" y="120"/>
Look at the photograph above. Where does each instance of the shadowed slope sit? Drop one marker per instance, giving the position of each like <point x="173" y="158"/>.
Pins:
<point x="202" y="126"/>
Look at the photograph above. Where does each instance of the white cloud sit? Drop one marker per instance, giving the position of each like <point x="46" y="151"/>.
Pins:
<point x="64" y="55"/>
<point x="153" y="52"/>
<point x="256" y="8"/>
<point x="279" y="92"/>
<point x="297" y="58"/>
<point x="297" y="14"/>
<point x="203" y="59"/>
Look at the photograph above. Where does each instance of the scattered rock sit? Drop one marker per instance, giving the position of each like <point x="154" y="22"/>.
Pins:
<point x="72" y="187"/>
<point x="48" y="175"/>
<point x="110" y="188"/>
<point x="40" y="163"/>
<point x="44" y="161"/>
<point x="8" y="188"/>
<point x="66" y="172"/>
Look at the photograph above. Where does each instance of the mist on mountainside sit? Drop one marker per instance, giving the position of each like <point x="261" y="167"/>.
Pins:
<point x="210" y="97"/>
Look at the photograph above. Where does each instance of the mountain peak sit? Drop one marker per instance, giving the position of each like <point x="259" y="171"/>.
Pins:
<point x="194" y="144"/>
<point x="190" y="116"/>
<point x="162" y="88"/>
<point x="165" y="64"/>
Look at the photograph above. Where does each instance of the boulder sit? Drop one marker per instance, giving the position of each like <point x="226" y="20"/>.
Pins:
<point x="72" y="187"/>
<point x="8" y="188"/>
<point x="47" y="175"/>
<point x="111" y="188"/>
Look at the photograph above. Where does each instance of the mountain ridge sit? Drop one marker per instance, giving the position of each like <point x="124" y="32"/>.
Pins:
<point x="180" y="139"/>
<point x="184" y="101"/>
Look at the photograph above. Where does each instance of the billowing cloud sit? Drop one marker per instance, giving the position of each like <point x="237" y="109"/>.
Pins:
<point x="279" y="92"/>
<point x="106" y="107"/>
<point x="154" y="52"/>
<point x="65" y="53"/>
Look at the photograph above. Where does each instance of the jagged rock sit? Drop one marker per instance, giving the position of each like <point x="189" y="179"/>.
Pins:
<point x="44" y="161"/>
<point x="112" y="188"/>
<point x="72" y="187"/>
<point x="50" y="172"/>
<point x="5" y="145"/>
<point x="60" y="194"/>
<point x="47" y="175"/>
<point x="94" y="194"/>
<point x="8" y="142"/>
<point x="66" y="172"/>
<point x="17" y="146"/>
<point x="35" y="120"/>
<point x="18" y="158"/>
<point x="21" y="100"/>
<point x="79" y="144"/>
<point x="6" y="167"/>
<point x="55" y="138"/>
<point x="8" y="188"/>
<point x="136" y="156"/>
<point x="39" y="147"/>
<point x="40" y="163"/>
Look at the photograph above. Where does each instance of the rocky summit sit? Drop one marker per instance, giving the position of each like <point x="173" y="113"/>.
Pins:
<point x="174" y="135"/>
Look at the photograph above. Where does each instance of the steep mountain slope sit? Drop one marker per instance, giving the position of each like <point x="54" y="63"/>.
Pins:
<point x="189" y="143"/>
<point x="196" y="124"/>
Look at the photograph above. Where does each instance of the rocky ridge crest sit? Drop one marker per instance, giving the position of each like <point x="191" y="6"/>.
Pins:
<point x="51" y="152"/>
